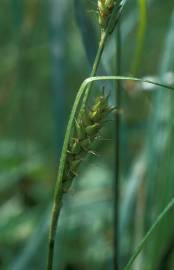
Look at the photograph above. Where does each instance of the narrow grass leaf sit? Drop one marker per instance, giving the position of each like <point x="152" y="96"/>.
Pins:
<point x="149" y="233"/>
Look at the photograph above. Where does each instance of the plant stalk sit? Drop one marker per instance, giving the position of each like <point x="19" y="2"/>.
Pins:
<point x="117" y="153"/>
<point x="101" y="46"/>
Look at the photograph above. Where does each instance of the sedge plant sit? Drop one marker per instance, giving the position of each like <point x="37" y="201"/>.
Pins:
<point x="85" y="123"/>
<point x="109" y="13"/>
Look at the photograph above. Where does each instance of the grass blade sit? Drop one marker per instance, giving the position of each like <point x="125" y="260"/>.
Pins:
<point x="111" y="78"/>
<point x="149" y="233"/>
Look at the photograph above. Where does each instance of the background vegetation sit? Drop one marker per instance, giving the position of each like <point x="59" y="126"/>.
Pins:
<point x="46" y="51"/>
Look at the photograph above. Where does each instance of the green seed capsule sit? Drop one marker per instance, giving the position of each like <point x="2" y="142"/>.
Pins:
<point x="101" y="103"/>
<point x="74" y="166"/>
<point x="84" y="117"/>
<point x="93" y="129"/>
<point x="80" y="131"/>
<point x="85" y="144"/>
<point x="95" y="116"/>
<point x="75" y="147"/>
<point x="67" y="175"/>
<point x="67" y="181"/>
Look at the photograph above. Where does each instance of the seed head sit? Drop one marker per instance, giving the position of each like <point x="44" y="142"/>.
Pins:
<point x="105" y="8"/>
<point x="87" y="127"/>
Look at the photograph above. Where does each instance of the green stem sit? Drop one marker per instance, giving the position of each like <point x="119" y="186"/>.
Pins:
<point x="140" y="36"/>
<point x="115" y="16"/>
<point x="149" y="233"/>
<point x="53" y="227"/>
<point x="117" y="152"/>
<point x="101" y="46"/>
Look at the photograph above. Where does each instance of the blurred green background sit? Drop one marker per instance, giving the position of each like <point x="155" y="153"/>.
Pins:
<point x="46" y="51"/>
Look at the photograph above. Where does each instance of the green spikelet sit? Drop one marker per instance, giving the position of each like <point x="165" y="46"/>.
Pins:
<point x="93" y="129"/>
<point x="87" y="126"/>
<point x="75" y="146"/>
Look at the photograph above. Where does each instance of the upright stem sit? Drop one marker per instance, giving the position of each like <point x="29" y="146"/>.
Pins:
<point x="52" y="233"/>
<point x="140" y="36"/>
<point x="117" y="154"/>
<point x="101" y="46"/>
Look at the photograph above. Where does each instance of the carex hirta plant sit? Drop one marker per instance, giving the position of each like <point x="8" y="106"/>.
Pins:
<point x="86" y="121"/>
<point x="83" y="125"/>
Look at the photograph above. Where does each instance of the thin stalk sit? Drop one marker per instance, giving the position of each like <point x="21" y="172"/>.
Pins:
<point x="101" y="46"/>
<point x="117" y="153"/>
<point x="113" y="22"/>
<point x="55" y="215"/>
<point x="139" y="221"/>
<point x="140" y="36"/>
